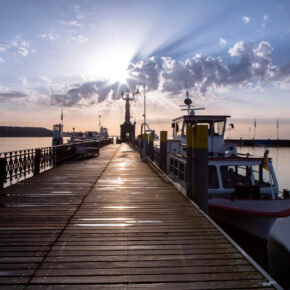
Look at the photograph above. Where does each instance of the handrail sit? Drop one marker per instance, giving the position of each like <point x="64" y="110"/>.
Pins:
<point x="21" y="164"/>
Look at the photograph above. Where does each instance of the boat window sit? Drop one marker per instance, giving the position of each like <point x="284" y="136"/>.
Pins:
<point x="183" y="133"/>
<point x="207" y="123"/>
<point x="235" y="175"/>
<point x="177" y="129"/>
<point x="190" y="122"/>
<point x="266" y="181"/>
<point x="219" y="128"/>
<point x="212" y="177"/>
<point x="261" y="176"/>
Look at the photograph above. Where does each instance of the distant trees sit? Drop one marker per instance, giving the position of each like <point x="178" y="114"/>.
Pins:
<point x="7" y="131"/>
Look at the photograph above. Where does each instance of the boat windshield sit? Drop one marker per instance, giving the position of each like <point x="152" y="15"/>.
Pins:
<point x="233" y="175"/>
<point x="218" y="129"/>
<point x="212" y="177"/>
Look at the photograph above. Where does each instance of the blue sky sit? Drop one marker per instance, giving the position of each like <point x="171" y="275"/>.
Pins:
<point x="79" y="55"/>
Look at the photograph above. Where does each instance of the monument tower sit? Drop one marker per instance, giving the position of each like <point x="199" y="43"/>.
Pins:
<point x="127" y="128"/>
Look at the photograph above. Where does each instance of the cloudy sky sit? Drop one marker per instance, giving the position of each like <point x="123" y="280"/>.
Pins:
<point x="232" y="56"/>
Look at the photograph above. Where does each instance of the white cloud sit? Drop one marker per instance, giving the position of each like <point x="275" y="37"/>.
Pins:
<point x="45" y="79"/>
<point x="22" y="79"/>
<point x="79" y="38"/>
<point x="73" y="23"/>
<point x="23" y="51"/>
<point x="78" y="12"/>
<point x="265" y="17"/>
<point x="250" y="66"/>
<point x="1" y="59"/>
<point x="50" y="36"/>
<point x="18" y="45"/>
<point x="25" y="43"/>
<point x="246" y="19"/>
<point x="222" y="41"/>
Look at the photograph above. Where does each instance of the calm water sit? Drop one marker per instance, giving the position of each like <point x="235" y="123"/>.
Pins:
<point x="20" y="143"/>
<point x="281" y="160"/>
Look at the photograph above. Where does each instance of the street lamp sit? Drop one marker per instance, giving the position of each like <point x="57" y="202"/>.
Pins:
<point x="144" y="124"/>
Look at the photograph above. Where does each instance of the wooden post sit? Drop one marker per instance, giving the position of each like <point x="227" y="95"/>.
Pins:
<point x="200" y="167"/>
<point x="2" y="172"/>
<point x="150" y="147"/>
<point x="189" y="161"/>
<point x="163" y="151"/>
<point x="37" y="161"/>
<point x="147" y="138"/>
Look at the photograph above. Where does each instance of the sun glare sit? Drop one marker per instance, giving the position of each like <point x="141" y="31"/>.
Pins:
<point x="112" y="67"/>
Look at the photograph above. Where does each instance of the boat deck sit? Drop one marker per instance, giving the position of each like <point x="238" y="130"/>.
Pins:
<point x="113" y="222"/>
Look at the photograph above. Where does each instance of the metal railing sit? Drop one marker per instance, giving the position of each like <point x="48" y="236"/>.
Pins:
<point x="177" y="167"/>
<point x="19" y="165"/>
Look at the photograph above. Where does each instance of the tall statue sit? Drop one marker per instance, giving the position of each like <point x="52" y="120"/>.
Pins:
<point x="127" y="128"/>
<point x="127" y="106"/>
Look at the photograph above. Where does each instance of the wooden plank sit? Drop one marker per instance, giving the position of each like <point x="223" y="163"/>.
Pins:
<point x="148" y="278"/>
<point x="141" y="271"/>
<point x="144" y="264"/>
<point x="243" y="284"/>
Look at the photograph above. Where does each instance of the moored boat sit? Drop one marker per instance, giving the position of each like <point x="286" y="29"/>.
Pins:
<point x="243" y="190"/>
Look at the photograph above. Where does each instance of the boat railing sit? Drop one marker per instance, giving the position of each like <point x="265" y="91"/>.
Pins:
<point x="176" y="167"/>
<point x="16" y="166"/>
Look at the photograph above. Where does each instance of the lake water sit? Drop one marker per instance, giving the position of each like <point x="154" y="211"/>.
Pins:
<point x="281" y="161"/>
<point x="21" y="143"/>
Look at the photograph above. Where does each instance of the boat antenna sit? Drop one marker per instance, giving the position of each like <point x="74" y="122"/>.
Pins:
<point x="188" y="103"/>
<point x="61" y="117"/>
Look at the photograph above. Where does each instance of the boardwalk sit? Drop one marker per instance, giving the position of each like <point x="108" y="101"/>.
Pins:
<point x="112" y="222"/>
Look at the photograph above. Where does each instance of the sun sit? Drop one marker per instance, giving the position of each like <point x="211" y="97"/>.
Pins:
<point x="113" y="67"/>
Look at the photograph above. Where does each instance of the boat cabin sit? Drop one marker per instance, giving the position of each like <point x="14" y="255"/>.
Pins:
<point x="216" y="129"/>
<point x="57" y="134"/>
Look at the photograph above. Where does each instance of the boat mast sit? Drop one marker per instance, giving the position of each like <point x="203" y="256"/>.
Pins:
<point x="190" y="108"/>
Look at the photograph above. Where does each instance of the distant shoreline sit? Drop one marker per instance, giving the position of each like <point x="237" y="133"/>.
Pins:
<point x="9" y="131"/>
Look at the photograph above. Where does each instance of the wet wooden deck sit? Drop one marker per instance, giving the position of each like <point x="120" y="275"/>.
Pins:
<point x="112" y="222"/>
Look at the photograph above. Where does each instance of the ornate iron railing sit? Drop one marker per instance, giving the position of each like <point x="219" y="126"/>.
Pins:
<point x="18" y="165"/>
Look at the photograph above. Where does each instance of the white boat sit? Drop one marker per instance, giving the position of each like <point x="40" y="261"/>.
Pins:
<point x="242" y="189"/>
<point x="84" y="149"/>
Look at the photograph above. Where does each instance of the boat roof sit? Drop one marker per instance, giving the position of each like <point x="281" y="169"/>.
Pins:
<point x="202" y="117"/>
<point x="227" y="158"/>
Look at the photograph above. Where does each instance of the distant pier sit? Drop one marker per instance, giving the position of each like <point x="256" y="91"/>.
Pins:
<point x="114" y="222"/>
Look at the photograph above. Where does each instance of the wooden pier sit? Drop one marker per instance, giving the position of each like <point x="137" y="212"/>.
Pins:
<point x="113" y="222"/>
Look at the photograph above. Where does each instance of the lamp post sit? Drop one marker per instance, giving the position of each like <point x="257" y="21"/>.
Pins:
<point x="100" y="123"/>
<point x="144" y="122"/>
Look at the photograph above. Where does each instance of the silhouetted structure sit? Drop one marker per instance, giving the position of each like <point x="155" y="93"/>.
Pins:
<point x="127" y="128"/>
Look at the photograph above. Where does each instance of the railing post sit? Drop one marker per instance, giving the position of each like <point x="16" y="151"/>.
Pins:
<point x="37" y="162"/>
<point x="2" y="172"/>
<point x="200" y="166"/>
<point x="163" y="151"/>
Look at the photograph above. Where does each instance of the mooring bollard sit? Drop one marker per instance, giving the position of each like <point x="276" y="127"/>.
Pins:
<point x="2" y="172"/>
<point x="37" y="157"/>
<point x="189" y="161"/>
<point x="150" y="146"/>
<point x="200" y="166"/>
<point x="163" y="151"/>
